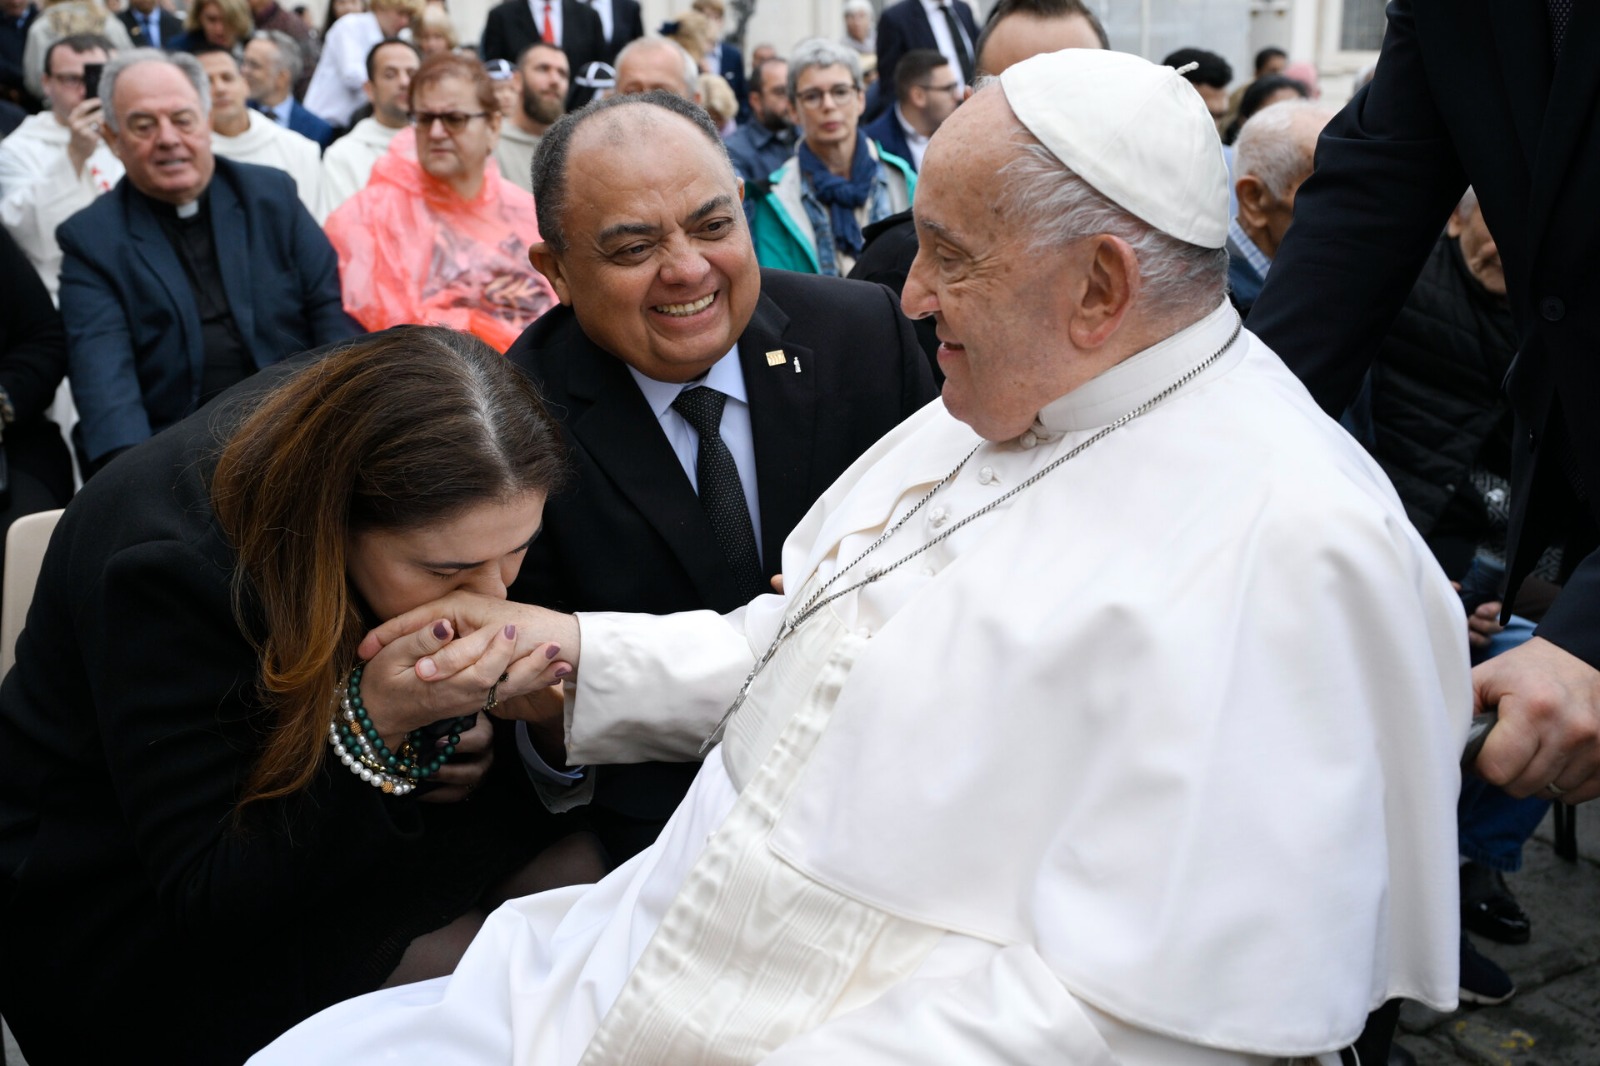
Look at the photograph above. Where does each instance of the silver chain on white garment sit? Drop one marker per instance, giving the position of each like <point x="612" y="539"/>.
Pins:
<point x="821" y="597"/>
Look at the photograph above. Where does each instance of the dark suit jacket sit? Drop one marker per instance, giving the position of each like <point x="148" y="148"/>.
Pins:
<point x="630" y="535"/>
<point x="171" y="27"/>
<point x="510" y="28"/>
<point x="304" y="123"/>
<point x="1465" y="92"/>
<point x="885" y="129"/>
<point x="731" y="60"/>
<point x="905" y="26"/>
<point x="627" y="24"/>
<point x="133" y="329"/>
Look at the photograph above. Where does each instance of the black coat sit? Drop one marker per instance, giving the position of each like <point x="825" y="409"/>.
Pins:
<point x="171" y="27"/>
<point x="627" y="24"/>
<point x="1433" y="409"/>
<point x="903" y="27"/>
<point x="1466" y="91"/>
<point x="136" y="921"/>
<point x="629" y="534"/>
<point x="510" y="28"/>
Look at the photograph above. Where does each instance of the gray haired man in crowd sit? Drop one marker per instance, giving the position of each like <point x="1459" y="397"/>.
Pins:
<point x="1042" y="756"/>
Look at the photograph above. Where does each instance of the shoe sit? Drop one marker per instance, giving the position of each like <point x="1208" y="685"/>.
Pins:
<point x="1483" y="983"/>
<point x="1489" y="909"/>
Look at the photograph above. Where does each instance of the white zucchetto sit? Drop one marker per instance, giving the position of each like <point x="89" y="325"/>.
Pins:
<point x="1136" y="131"/>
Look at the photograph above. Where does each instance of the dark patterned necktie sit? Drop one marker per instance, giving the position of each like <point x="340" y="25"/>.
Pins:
<point x="1560" y="15"/>
<point x="961" y="45"/>
<point x="721" y="493"/>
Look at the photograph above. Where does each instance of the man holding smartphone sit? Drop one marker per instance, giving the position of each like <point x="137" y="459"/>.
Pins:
<point x="56" y="162"/>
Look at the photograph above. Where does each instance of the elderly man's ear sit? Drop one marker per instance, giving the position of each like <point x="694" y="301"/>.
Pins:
<point x="1255" y="200"/>
<point x="1102" y="292"/>
<point x="546" y="262"/>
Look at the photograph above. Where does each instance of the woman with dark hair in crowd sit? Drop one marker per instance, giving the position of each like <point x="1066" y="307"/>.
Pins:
<point x="438" y="235"/>
<point x="1264" y="92"/>
<point x="214" y="819"/>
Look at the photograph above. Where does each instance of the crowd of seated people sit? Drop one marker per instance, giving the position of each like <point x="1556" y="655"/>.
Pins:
<point x="190" y="204"/>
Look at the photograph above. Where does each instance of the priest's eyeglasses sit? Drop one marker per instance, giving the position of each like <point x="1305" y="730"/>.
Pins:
<point x="454" y="121"/>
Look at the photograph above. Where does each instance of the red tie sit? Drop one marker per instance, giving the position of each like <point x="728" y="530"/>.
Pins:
<point x="549" y="29"/>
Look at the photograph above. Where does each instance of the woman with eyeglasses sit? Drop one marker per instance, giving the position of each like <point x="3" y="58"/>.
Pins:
<point x="215" y="817"/>
<point x="438" y="236"/>
<point x="839" y="182"/>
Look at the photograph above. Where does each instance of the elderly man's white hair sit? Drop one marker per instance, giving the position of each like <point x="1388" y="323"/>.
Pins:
<point x="1176" y="278"/>
<point x="1278" y="143"/>
<point x="857" y="7"/>
<point x="691" y="69"/>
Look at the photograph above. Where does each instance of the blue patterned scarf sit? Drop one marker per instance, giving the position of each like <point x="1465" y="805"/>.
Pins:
<point x="842" y="195"/>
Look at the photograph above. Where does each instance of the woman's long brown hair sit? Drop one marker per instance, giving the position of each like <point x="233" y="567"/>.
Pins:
<point x="392" y="432"/>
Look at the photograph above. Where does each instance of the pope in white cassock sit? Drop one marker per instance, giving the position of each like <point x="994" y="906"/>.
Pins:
<point x="1112" y="712"/>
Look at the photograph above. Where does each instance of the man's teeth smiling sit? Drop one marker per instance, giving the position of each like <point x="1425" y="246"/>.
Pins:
<point x="685" y="310"/>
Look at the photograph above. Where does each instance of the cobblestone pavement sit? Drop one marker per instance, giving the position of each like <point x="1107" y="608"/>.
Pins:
<point x="1555" y="1018"/>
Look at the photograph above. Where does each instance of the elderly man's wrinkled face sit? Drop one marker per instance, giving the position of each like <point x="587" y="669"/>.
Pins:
<point x="163" y="137"/>
<point x="658" y="266"/>
<point x="998" y="305"/>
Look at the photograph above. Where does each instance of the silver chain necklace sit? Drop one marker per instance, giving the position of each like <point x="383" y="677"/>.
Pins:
<point x="821" y="597"/>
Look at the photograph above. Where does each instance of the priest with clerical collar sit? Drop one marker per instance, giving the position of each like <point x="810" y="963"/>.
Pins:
<point x="1111" y="713"/>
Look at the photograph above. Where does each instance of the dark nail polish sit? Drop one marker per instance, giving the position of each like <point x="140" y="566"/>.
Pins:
<point x="552" y="651"/>
<point x="511" y="632"/>
<point x="563" y="670"/>
<point x="441" y="629"/>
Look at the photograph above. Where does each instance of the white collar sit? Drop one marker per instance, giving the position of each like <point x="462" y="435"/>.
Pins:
<point x="725" y="376"/>
<point x="1112" y="394"/>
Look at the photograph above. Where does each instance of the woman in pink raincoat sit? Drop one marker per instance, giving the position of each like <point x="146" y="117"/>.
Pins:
<point x="438" y="237"/>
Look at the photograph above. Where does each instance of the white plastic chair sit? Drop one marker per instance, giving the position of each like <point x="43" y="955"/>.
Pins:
<point x="25" y="545"/>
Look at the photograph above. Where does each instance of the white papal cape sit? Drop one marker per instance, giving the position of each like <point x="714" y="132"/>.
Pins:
<point x="1155" y="762"/>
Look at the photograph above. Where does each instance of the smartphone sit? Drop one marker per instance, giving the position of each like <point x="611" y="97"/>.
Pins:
<point x="91" y="80"/>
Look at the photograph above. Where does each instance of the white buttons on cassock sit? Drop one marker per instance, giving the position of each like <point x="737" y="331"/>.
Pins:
<point x="928" y="571"/>
<point x="1028" y="440"/>
<point x="986" y="475"/>
<point x="938" y="517"/>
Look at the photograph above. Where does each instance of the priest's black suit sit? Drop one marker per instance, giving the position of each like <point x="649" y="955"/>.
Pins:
<point x="510" y="28"/>
<point x="1467" y="91"/>
<point x="629" y="533"/>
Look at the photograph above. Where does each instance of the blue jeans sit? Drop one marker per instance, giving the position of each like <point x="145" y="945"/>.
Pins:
<point x="1491" y="827"/>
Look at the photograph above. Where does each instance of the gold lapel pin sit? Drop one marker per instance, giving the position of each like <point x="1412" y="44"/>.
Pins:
<point x="776" y="358"/>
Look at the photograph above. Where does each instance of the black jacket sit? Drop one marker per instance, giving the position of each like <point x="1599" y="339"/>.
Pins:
<point x="1467" y="91"/>
<point x="1433" y="409"/>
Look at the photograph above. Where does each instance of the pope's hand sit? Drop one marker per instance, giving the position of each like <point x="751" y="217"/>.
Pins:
<point x="537" y="629"/>
<point x="401" y="694"/>
<point x="1548" y="736"/>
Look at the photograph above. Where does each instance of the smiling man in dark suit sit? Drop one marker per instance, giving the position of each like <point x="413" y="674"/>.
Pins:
<point x="572" y="26"/>
<point x="1504" y="97"/>
<point x="708" y="403"/>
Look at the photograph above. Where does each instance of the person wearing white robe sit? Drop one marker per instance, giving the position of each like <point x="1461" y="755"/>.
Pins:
<point x="1130" y="736"/>
<point x="268" y="144"/>
<point x="347" y="163"/>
